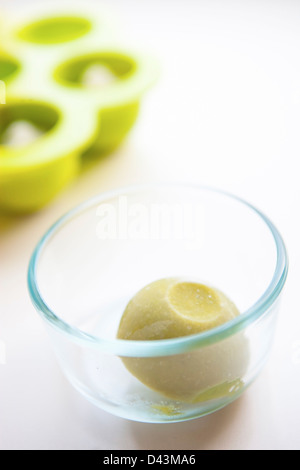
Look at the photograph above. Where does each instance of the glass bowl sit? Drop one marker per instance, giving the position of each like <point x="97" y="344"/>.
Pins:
<point x="89" y="264"/>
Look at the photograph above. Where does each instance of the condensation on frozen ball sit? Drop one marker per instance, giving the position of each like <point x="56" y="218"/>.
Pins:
<point x="172" y="308"/>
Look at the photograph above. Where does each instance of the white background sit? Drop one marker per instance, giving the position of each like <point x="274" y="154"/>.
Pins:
<point x="226" y="113"/>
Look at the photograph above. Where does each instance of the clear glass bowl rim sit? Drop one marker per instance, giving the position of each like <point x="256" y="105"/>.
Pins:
<point x="167" y="346"/>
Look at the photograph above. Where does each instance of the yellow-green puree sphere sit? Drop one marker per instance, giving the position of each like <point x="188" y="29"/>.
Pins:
<point x="171" y="308"/>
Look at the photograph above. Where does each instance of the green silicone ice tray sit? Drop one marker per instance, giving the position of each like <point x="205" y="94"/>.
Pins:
<point x="65" y="75"/>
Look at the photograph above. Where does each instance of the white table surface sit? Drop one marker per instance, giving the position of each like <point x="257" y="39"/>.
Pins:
<point x="226" y="113"/>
